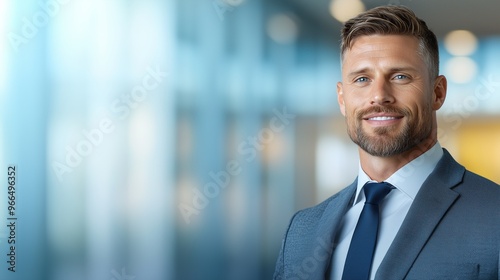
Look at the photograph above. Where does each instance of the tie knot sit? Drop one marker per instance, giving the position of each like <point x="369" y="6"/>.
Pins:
<point x="375" y="192"/>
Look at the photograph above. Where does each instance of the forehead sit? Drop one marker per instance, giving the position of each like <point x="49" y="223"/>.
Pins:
<point x="383" y="49"/>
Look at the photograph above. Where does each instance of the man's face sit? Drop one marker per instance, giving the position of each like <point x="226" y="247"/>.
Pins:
<point x="386" y="94"/>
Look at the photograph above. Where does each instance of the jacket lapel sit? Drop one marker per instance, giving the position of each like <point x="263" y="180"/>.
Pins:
<point x="430" y="205"/>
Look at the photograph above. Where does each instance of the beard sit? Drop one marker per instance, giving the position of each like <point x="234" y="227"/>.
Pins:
<point x="390" y="140"/>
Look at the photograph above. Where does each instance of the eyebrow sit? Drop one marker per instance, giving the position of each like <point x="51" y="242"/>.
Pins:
<point x="390" y="70"/>
<point x="357" y="72"/>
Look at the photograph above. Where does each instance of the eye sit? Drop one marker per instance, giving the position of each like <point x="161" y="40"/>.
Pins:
<point x="400" y="77"/>
<point x="361" y="80"/>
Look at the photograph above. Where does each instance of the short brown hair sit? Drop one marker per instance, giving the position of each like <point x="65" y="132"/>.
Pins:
<point x="393" y="20"/>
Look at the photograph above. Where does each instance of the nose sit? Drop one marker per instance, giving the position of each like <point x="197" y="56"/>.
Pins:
<point x="381" y="93"/>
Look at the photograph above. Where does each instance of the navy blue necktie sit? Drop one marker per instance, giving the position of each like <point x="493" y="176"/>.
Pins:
<point x="359" y="257"/>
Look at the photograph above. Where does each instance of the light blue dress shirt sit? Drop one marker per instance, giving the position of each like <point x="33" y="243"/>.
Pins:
<point x="393" y="209"/>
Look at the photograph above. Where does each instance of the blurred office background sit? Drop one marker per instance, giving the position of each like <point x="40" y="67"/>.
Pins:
<point x="175" y="139"/>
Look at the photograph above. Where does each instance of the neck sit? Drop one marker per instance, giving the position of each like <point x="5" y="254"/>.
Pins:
<point x="381" y="168"/>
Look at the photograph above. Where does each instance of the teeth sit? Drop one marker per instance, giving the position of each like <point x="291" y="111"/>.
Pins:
<point x="382" y="118"/>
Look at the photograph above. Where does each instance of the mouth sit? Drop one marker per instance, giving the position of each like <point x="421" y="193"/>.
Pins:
<point x="383" y="116"/>
<point x="382" y="119"/>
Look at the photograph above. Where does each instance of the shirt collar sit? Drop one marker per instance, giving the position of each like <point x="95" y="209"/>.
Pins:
<point x="409" y="178"/>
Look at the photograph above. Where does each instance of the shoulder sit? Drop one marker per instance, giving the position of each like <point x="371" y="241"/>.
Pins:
<point x="480" y="181"/>
<point x="307" y="224"/>
<point x="480" y="188"/>
<point x="315" y="224"/>
<point x="310" y="216"/>
<point x="477" y="204"/>
<point x="450" y="172"/>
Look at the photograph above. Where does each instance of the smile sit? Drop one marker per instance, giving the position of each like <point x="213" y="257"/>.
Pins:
<point x="382" y="118"/>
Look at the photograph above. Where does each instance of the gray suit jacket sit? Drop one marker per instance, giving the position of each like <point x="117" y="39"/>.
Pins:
<point x="452" y="231"/>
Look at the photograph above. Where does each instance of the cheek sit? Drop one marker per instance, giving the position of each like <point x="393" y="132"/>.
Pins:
<point x="351" y="105"/>
<point x="422" y="114"/>
<point x="349" y="111"/>
<point x="351" y="119"/>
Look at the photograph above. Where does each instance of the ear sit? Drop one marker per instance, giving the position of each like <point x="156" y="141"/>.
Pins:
<point x="440" y="87"/>
<point x="340" y="98"/>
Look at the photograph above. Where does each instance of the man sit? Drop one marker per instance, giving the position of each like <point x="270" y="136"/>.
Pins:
<point x="431" y="218"/>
